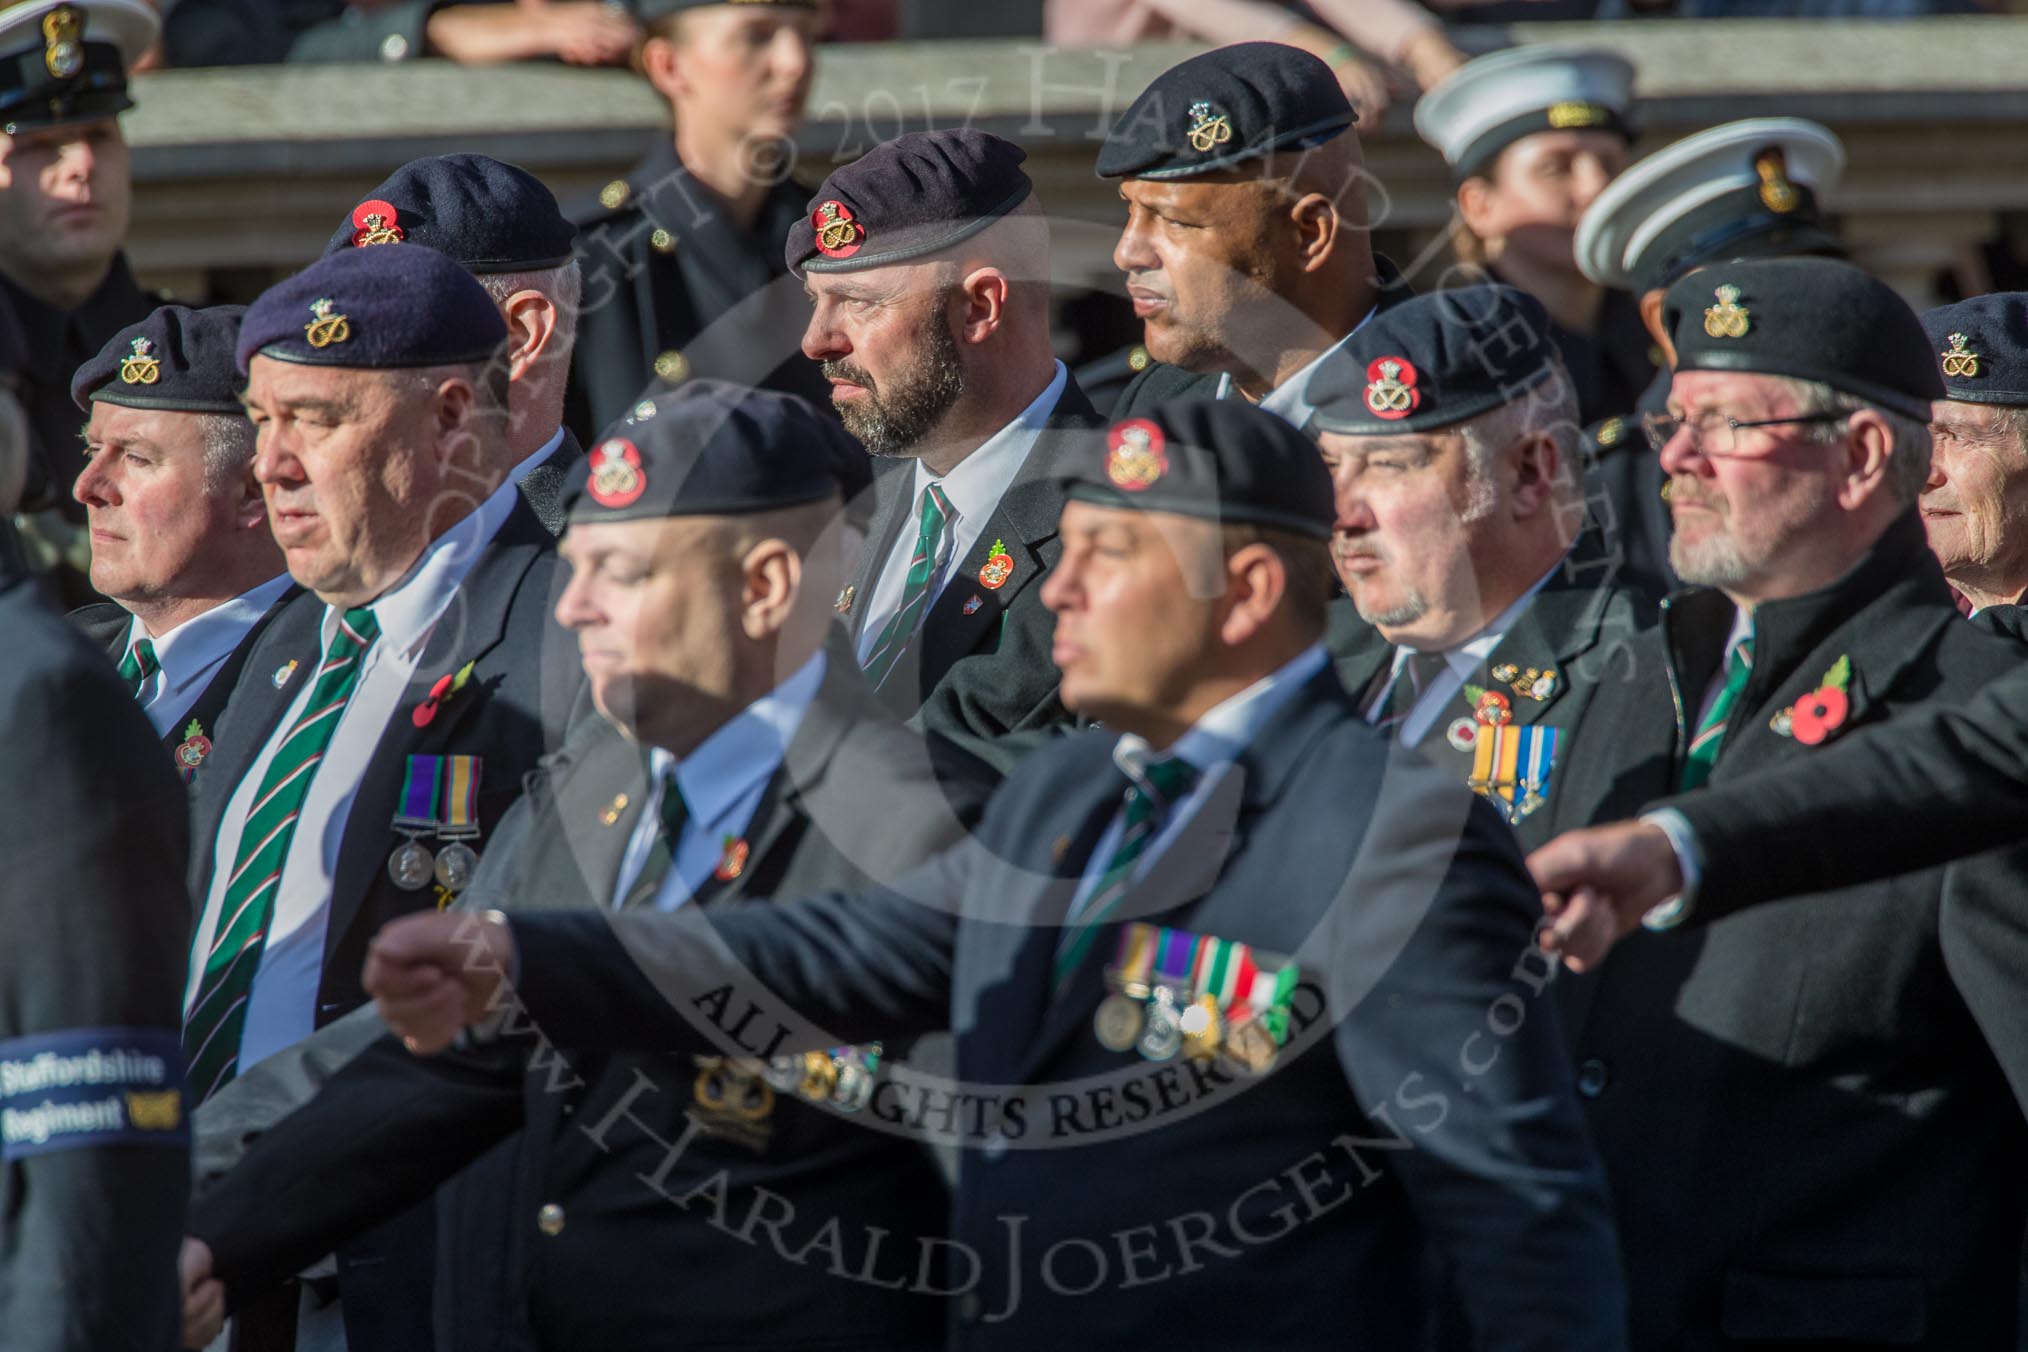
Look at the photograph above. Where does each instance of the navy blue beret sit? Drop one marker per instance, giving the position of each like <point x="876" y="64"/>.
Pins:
<point x="375" y="309"/>
<point x="713" y="448"/>
<point x="1227" y="106"/>
<point x="1981" y="348"/>
<point x="489" y="215"/>
<point x="177" y="358"/>
<point x="1221" y="459"/>
<point x="908" y="198"/>
<point x="1809" y="319"/>
<point x="1435" y="360"/>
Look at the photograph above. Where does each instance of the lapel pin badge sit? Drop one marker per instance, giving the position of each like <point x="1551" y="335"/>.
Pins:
<point x="284" y="672"/>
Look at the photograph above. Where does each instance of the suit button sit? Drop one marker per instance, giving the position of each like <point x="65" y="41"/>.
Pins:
<point x="1592" y="1077"/>
<point x="549" y="1220"/>
<point x="969" y="1308"/>
<point x="994" y="1150"/>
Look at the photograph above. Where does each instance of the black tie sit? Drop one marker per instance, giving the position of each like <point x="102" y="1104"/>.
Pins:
<point x="1410" y="681"/>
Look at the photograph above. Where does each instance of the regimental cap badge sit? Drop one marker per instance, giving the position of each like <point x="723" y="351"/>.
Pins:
<point x="376" y="222"/>
<point x="1777" y="194"/>
<point x="1959" y="362"/>
<point x="1390" y="388"/>
<point x="617" y="479"/>
<point x="839" y="233"/>
<point x="1728" y="318"/>
<point x="142" y="367"/>
<point x="326" y="328"/>
<point x="1209" y="128"/>
<point x="1575" y="113"/>
<point x="63" y="45"/>
<point x="1136" y="458"/>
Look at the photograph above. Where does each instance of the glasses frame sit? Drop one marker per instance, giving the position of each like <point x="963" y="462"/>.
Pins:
<point x="1650" y="421"/>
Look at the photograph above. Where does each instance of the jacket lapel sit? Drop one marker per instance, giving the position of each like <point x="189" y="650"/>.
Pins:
<point x="893" y="482"/>
<point x="1024" y="520"/>
<point x="1193" y="860"/>
<point x="468" y="630"/>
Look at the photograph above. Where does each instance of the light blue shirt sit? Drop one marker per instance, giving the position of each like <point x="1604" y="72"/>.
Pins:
<point x="722" y="781"/>
<point x="191" y="654"/>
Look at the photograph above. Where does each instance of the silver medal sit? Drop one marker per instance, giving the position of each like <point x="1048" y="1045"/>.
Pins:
<point x="411" y="867"/>
<point x="1162" y="1038"/>
<point x="455" y="865"/>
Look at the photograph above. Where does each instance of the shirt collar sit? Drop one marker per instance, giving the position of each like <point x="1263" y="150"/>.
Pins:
<point x="727" y="765"/>
<point x="202" y="641"/>
<point x="1228" y="728"/>
<point x="978" y="482"/>
<point x="410" y="609"/>
<point x="535" y="461"/>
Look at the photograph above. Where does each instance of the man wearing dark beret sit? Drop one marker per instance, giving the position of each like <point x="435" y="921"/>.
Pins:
<point x="384" y="722"/>
<point x="1748" y="189"/>
<point x="1750" y="1074"/>
<point x="1245" y="248"/>
<point x="1218" y="973"/>
<point x="1479" y="606"/>
<point x="1975" y="505"/>
<point x="180" y="536"/>
<point x="94" y="1152"/>
<point x="927" y="264"/>
<point x="65" y="195"/>
<point x="504" y="226"/>
<point x="735" y="752"/>
<point x="682" y="257"/>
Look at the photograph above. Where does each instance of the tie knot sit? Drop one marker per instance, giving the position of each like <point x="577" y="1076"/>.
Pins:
<point x="1167" y="781"/>
<point x="357" y="628"/>
<point x="936" y="507"/>
<point x="140" y="664"/>
<point x="1742" y="654"/>
<point x="675" y="808"/>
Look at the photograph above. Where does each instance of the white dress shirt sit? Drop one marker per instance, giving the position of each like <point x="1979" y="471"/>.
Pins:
<point x="1211" y="746"/>
<point x="974" y="488"/>
<point x="1290" y="400"/>
<point x="191" y="654"/>
<point x="722" y="782"/>
<point x="1461" y="664"/>
<point x="282" y="1007"/>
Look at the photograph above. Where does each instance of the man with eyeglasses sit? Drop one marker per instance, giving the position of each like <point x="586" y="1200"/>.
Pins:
<point x="1804" y="1107"/>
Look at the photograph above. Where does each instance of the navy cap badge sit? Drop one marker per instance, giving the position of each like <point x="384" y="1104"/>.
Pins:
<point x="63" y="50"/>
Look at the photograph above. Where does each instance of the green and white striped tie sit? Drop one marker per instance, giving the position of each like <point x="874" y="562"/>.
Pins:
<point x="1165" y="783"/>
<point x="922" y="565"/>
<point x="1703" y="753"/>
<point x="139" y="666"/>
<point x="211" y="1032"/>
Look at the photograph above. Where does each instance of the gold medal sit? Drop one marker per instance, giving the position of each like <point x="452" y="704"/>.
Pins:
<point x="1250" y="1046"/>
<point x="820" y="1076"/>
<point x="1117" y="1023"/>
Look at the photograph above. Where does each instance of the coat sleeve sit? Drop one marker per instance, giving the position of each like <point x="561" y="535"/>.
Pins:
<point x="1930" y="786"/>
<point x="96" y="926"/>
<point x="1453" y="1044"/>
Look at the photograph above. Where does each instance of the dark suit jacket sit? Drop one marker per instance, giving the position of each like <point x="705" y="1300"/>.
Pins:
<point x="857" y="801"/>
<point x="106" y="624"/>
<point x="500" y="623"/>
<point x="93" y="832"/>
<point x="715" y="293"/>
<point x="1570" y="628"/>
<point x="985" y="673"/>
<point x="1404" y="902"/>
<point x="1809" y="1111"/>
